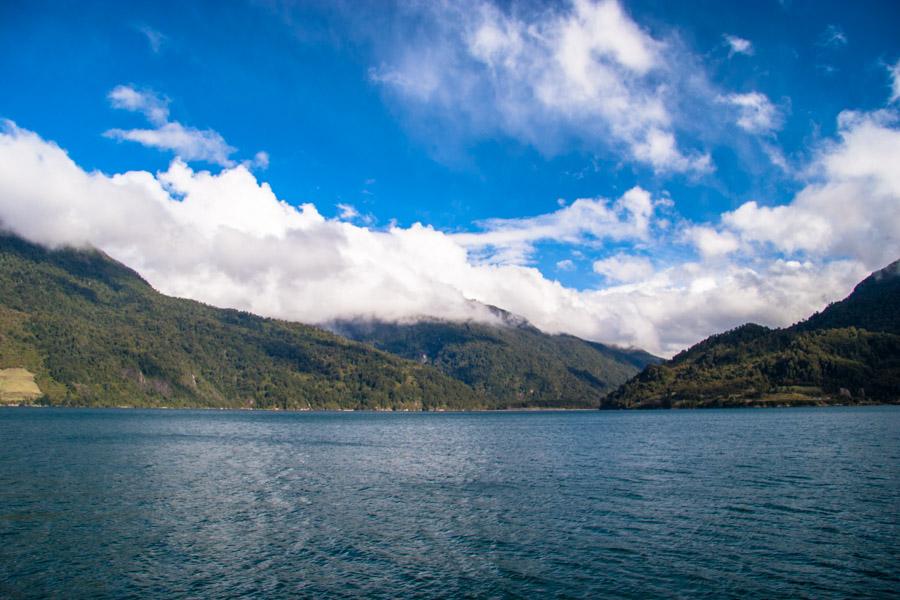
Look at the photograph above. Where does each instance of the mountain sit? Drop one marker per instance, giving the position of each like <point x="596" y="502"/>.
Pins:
<point x="873" y="305"/>
<point x="848" y="353"/>
<point x="93" y="333"/>
<point x="511" y="361"/>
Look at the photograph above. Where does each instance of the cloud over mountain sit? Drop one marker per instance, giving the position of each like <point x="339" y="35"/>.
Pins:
<point x="227" y="239"/>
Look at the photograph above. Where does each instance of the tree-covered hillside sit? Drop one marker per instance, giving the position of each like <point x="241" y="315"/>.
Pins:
<point x="510" y="361"/>
<point x="874" y="305"/>
<point x="848" y="353"/>
<point x="95" y="334"/>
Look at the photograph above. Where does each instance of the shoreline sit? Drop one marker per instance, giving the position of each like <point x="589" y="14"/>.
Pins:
<point x="444" y="411"/>
<point x="304" y="410"/>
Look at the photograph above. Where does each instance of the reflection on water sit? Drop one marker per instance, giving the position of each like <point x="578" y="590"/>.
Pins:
<point x="760" y="503"/>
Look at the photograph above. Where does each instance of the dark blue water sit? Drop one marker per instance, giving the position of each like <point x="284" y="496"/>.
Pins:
<point x="168" y="504"/>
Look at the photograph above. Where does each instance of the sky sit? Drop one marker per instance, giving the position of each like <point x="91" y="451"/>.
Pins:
<point x="640" y="173"/>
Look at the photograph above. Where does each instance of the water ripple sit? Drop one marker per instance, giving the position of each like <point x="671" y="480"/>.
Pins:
<point x="701" y="504"/>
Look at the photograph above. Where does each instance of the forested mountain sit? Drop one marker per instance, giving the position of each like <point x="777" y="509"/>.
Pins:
<point x="848" y="353"/>
<point x="511" y="361"/>
<point x="874" y="305"/>
<point x="95" y="334"/>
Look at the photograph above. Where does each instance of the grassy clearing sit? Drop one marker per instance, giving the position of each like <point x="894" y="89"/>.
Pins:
<point x="17" y="386"/>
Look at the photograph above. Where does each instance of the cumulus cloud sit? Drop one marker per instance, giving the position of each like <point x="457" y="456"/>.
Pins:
<point x="188" y="143"/>
<point x="711" y="243"/>
<point x="586" y="72"/>
<point x="738" y="45"/>
<point x="849" y="209"/>
<point x="584" y="221"/>
<point x="756" y="113"/>
<point x="658" y="149"/>
<point x="565" y="265"/>
<point x="228" y="240"/>
<point x="624" y="268"/>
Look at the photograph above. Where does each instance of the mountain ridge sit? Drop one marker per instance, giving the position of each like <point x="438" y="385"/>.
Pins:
<point x="95" y="333"/>
<point x="513" y="361"/>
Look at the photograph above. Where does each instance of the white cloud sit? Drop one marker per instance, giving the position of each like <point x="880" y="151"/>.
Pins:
<point x="348" y="212"/>
<point x="565" y="265"/>
<point x="261" y="160"/>
<point x="188" y="143"/>
<point x="756" y="113"/>
<point x="603" y="28"/>
<point x="895" y="81"/>
<point x="586" y="72"/>
<point x="776" y="156"/>
<point x="658" y="149"/>
<point x="667" y="311"/>
<point x="738" y="45"/>
<point x="852" y="207"/>
<point x="712" y="243"/>
<point x="228" y="240"/>
<point x="624" y="268"/>
<point x="148" y="103"/>
<point x="586" y="220"/>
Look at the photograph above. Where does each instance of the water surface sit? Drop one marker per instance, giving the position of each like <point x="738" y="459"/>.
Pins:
<point x="166" y="504"/>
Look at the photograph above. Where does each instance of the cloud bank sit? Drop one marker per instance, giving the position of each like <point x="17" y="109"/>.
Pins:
<point x="226" y="238"/>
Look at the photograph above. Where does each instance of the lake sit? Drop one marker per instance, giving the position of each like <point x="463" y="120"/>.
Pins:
<point x="760" y="503"/>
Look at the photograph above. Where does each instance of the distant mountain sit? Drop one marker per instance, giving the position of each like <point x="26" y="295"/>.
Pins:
<point x="95" y="334"/>
<point x="511" y="362"/>
<point x="848" y="353"/>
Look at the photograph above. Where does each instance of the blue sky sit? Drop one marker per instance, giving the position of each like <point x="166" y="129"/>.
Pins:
<point x="487" y="123"/>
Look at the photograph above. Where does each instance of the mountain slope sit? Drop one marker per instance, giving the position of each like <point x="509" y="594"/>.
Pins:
<point x="511" y="362"/>
<point x="850" y="352"/>
<point x="95" y="334"/>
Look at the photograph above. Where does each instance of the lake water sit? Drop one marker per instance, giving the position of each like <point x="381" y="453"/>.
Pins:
<point x="165" y="504"/>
